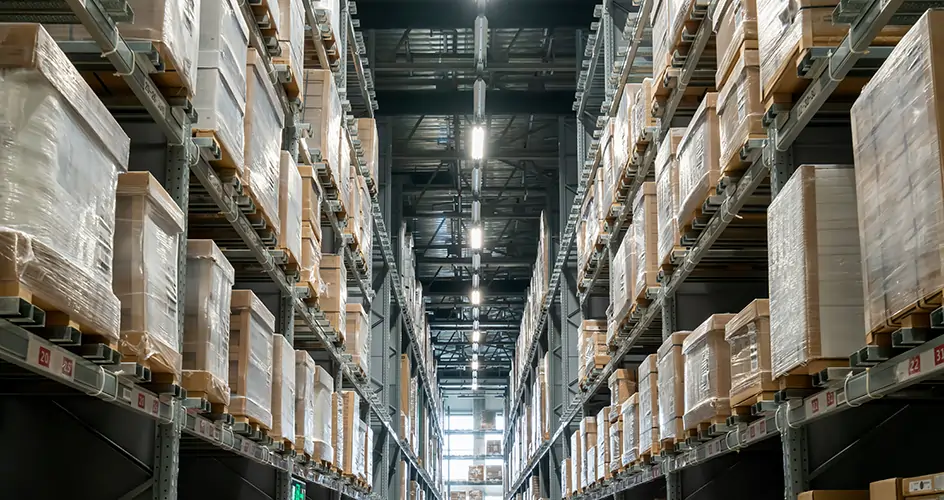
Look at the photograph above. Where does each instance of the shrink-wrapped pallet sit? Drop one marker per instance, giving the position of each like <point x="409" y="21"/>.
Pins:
<point x="310" y="271"/>
<point x="707" y="373"/>
<point x="220" y="99"/>
<point x="148" y="225"/>
<point x="359" y="441"/>
<point x="290" y="206"/>
<point x="567" y="478"/>
<point x="291" y="34"/>
<point x="332" y="10"/>
<point x="616" y="444"/>
<point x="370" y="142"/>
<point x="588" y="229"/>
<point x="493" y="447"/>
<point x="493" y="473"/>
<point x="350" y="435"/>
<point x="208" y="322"/>
<point x="897" y="135"/>
<point x="735" y="25"/>
<point x="622" y="384"/>
<point x="251" y="334"/>
<point x="457" y="495"/>
<point x="311" y="200"/>
<point x="263" y="129"/>
<point x="357" y="336"/>
<point x="368" y="448"/>
<point x="748" y="335"/>
<point x="648" y="376"/>
<point x="61" y="156"/>
<point x="815" y="268"/>
<point x="606" y="176"/>
<point x="334" y="298"/>
<point x="337" y="430"/>
<point x="671" y="387"/>
<point x="646" y="237"/>
<point x="667" y="193"/>
<point x="476" y="473"/>
<point x="283" y="390"/>
<point x="603" y="444"/>
<point x="576" y="464"/>
<point x="172" y="26"/>
<point x="698" y="169"/>
<point x="346" y="184"/>
<point x="740" y="109"/>
<point x="629" y="412"/>
<point x="622" y="279"/>
<point x="592" y="345"/>
<point x="476" y="495"/>
<point x="642" y="119"/>
<point x="623" y="143"/>
<point x="306" y="413"/>
<point x="661" y="21"/>
<point x="590" y="466"/>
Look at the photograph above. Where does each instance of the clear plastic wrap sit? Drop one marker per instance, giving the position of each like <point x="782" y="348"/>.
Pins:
<point x="332" y="9"/>
<point x="629" y="411"/>
<point x="707" y="372"/>
<point x="623" y="143"/>
<point x="148" y="225"/>
<point x="311" y="200"/>
<point x="734" y="23"/>
<point x="667" y="193"/>
<point x="605" y="179"/>
<point x="671" y="386"/>
<point x="740" y="108"/>
<point x="224" y="37"/>
<point x="616" y="446"/>
<point x="590" y="465"/>
<point x="207" y="322"/>
<point x="603" y="442"/>
<point x="322" y="110"/>
<point x="305" y="401"/>
<point x="252" y="329"/>
<point x="352" y="438"/>
<point x="283" y="389"/>
<point x="661" y="24"/>
<point x="292" y="32"/>
<point x="576" y="464"/>
<point x="476" y="495"/>
<point x="493" y="473"/>
<point x="357" y="336"/>
<point x="476" y="473"/>
<point x="310" y="273"/>
<point x="622" y="383"/>
<point x="62" y="152"/>
<point x="567" y="478"/>
<point x="263" y="129"/>
<point x="648" y="376"/>
<point x="593" y="348"/>
<point x="221" y="112"/>
<point x="346" y="181"/>
<point x="367" y="134"/>
<point x="337" y="429"/>
<point x="748" y="335"/>
<point x="896" y="131"/>
<point x="368" y="448"/>
<point x="645" y="230"/>
<point x="642" y="113"/>
<point x="622" y="279"/>
<point x="784" y="26"/>
<point x="334" y="275"/>
<point x="173" y="26"/>
<point x="359" y="441"/>
<point x="698" y="169"/>
<point x="815" y="268"/>
<point x="290" y="206"/>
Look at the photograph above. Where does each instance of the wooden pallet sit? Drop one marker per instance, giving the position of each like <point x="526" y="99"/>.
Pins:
<point x="702" y="430"/>
<point x="801" y="377"/>
<point x="914" y="315"/>
<point x="226" y="165"/>
<point x="331" y="189"/>
<point x="170" y="83"/>
<point x="293" y="85"/>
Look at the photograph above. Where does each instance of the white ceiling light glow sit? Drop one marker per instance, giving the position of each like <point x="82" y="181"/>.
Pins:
<point x="478" y="142"/>
<point x="476" y="238"/>
<point x="475" y="297"/>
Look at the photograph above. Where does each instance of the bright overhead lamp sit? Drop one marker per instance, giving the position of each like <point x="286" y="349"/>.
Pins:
<point x="475" y="346"/>
<point x="478" y="142"/>
<point x="476" y="238"/>
<point x="475" y="384"/>
<point x="475" y="364"/>
<point x="475" y="297"/>
<point x="476" y="335"/>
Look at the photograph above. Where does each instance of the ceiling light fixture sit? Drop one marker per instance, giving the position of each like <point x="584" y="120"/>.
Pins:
<point x="475" y="297"/>
<point x="478" y="142"/>
<point x="476" y="238"/>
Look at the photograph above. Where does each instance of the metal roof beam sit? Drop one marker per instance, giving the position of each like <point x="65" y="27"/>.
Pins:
<point x="440" y="102"/>
<point x="460" y="14"/>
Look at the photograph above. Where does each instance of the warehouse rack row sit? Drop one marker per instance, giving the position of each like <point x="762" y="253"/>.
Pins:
<point x="838" y="388"/>
<point x="173" y="116"/>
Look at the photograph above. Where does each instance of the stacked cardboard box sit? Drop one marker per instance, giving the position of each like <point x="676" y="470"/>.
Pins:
<point x="642" y="119"/>
<point x="622" y="279"/>
<point x="646" y="238"/>
<point x="624" y="147"/>
<point x="567" y="479"/>
<point x="815" y="269"/>
<point x="667" y="193"/>
<point x="57" y="220"/>
<point x="698" y="154"/>
<point x="263" y="128"/>
<point x="591" y="344"/>
<point x="648" y="375"/>
<point x="291" y="39"/>
<point x="493" y="473"/>
<point x="622" y="383"/>
<point x="290" y="208"/>
<point x="588" y="436"/>
<point x="305" y="400"/>
<point x="220" y="98"/>
<point x="367" y="134"/>
<point x="251" y="334"/>
<point x="283" y="390"/>
<point x="357" y="336"/>
<point x="629" y="412"/>
<point x="352" y="456"/>
<point x="493" y="447"/>
<point x="748" y="335"/>
<point x="603" y="444"/>
<point x="457" y="495"/>
<point x="476" y="473"/>
<point x="735" y="26"/>
<point x="671" y="387"/>
<point x="147" y="228"/>
<point x="334" y="297"/>
<point x="322" y="111"/>
<point x="207" y="328"/>
<point x="740" y="108"/>
<point x="898" y="187"/>
<point x="576" y="460"/>
<point x="707" y="373"/>
<point x="337" y="430"/>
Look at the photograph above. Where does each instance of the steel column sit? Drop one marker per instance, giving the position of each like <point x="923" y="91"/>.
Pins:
<point x="796" y="465"/>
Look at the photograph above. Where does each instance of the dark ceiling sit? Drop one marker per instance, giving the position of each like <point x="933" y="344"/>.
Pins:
<point x="421" y="53"/>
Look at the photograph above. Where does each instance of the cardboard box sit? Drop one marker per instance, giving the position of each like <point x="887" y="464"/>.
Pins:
<point x="740" y="107"/>
<point x="886" y="489"/>
<point x="283" y="390"/>
<point x="148" y="224"/>
<point x="251" y="337"/>
<point x="645" y="230"/>
<point x="815" y="268"/>
<point x="648" y="374"/>
<point x="707" y="358"/>
<point x="629" y="420"/>
<point x="493" y="473"/>
<point x="698" y="167"/>
<point x="671" y="386"/>
<point x="290" y="207"/>
<point x="748" y="335"/>
<point x="263" y="128"/>
<point x="357" y="336"/>
<point x="310" y="273"/>
<point x="311" y="200"/>
<point x="922" y="485"/>
<point x="351" y="434"/>
<point x="735" y="24"/>
<point x="476" y="473"/>
<point x="667" y="194"/>
<point x="622" y="383"/>
<point x="834" y="495"/>
<point x="322" y="110"/>
<point x="493" y="447"/>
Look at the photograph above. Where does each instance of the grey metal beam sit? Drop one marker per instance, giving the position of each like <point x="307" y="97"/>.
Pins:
<point x="432" y="214"/>
<point x="440" y="102"/>
<point x="494" y="154"/>
<point x="460" y="14"/>
<point x="486" y="261"/>
<point x="451" y="64"/>
<point x="440" y="190"/>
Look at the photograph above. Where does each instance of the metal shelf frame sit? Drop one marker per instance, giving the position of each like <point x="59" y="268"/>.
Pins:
<point x="854" y="387"/>
<point x="25" y="349"/>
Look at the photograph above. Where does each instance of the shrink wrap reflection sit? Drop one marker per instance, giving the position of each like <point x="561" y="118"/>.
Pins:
<point x="645" y="231"/>
<point x="305" y="401"/>
<point x="322" y="110"/>
<point x="61" y="156"/>
<point x="623" y="134"/>
<point x="251" y="340"/>
<point x="147" y="229"/>
<point x="622" y="279"/>
<point x="332" y="10"/>
<point x="648" y="375"/>
<point x="630" y="415"/>
<point x="671" y="386"/>
<point x="897" y="135"/>
<point x="698" y="169"/>
<point x="642" y="118"/>
<point x="740" y="108"/>
<point x="263" y="129"/>
<point x="815" y="268"/>
<point x="290" y="206"/>
<point x="207" y="321"/>
<point x="353" y="439"/>
<point x="734" y="22"/>
<point x="748" y="335"/>
<point x="283" y="389"/>
<point x="292" y="33"/>
<point x="667" y="193"/>
<point x="357" y="336"/>
<point x="707" y="372"/>
<point x="576" y="464"/>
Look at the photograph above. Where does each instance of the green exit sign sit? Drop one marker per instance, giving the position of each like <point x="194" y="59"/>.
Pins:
<point x="298" y="489"/>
